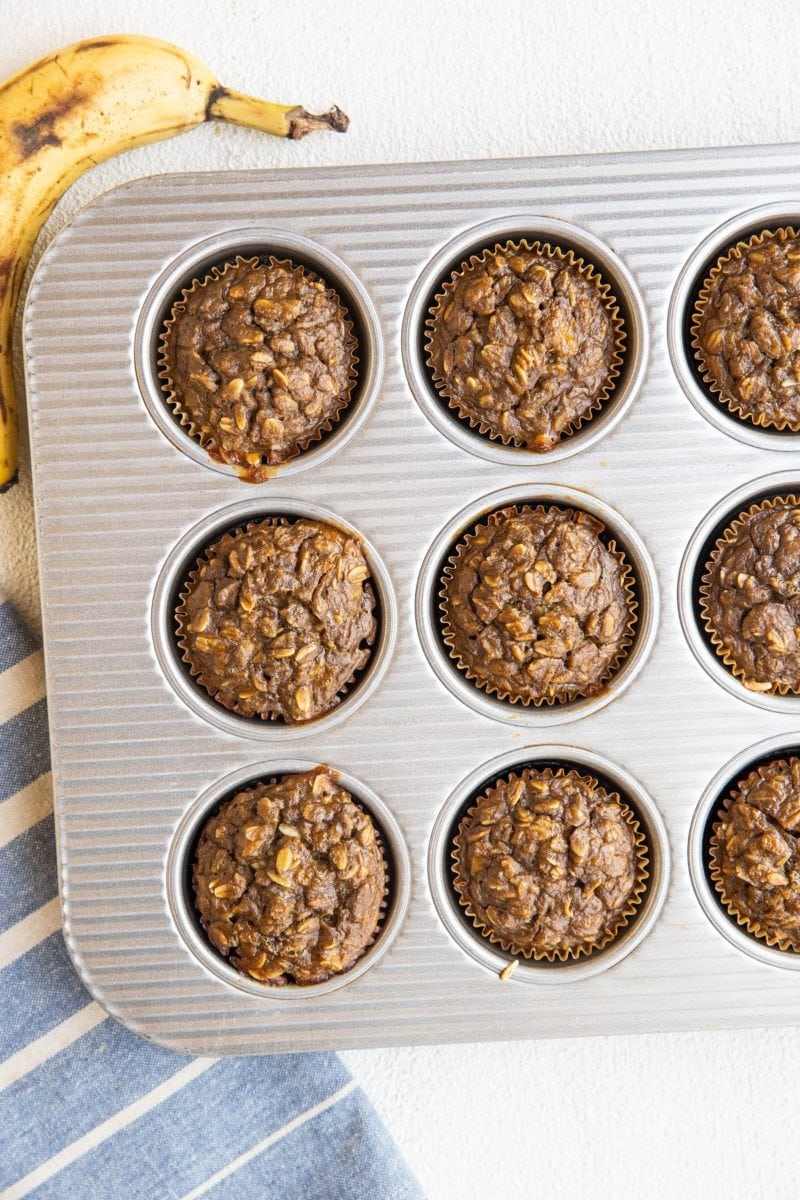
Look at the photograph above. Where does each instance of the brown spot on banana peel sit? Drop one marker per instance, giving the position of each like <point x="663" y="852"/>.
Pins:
<point x="98" y="43"/>
<point x="217" y="93"/>
<point x="6" y="273"/>
<point x="33" y="137"/>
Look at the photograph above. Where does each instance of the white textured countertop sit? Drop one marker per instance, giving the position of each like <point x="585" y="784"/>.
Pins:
<point x="657" y="1116"/>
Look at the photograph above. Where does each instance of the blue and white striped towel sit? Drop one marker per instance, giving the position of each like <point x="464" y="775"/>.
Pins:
<point x="89" y="1111"/>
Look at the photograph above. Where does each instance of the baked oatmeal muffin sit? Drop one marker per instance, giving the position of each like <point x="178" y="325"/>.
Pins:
<point x="754" y="859"/>
<point x="290" y="879"/>
<point x="536" y="606"/>
<point x="750" y="596"/>
<point x="548" y="864"/>
<point x="746" y="330"/>
<point x="258" y="360"/>
<point x="276" y="620"/>
<point x="525" y="342"/>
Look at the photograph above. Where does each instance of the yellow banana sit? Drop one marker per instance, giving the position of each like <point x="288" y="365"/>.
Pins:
<point x="84" y="104"/>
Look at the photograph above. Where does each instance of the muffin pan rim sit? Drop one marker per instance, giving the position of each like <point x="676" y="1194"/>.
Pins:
<point x="593" y="250"/>
<point x="729" y="506"/>
<point x="195" y="261"/>
<point x="726" y="777"/>
<point x="492" y="957"/>
<point x="189" y="547"/>
<point x="686" y="368"/>
<point x="181" y="907"/>
<point x="533" y="717"/>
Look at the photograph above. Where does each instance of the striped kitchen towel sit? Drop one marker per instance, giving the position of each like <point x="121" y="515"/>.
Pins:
<point x="89" y="1111"/>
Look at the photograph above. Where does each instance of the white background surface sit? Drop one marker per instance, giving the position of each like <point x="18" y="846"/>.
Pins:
<point x="709" y="1115"/>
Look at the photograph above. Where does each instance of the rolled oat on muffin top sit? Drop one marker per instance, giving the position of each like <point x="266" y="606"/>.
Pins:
<point x="276" y="620"/>
<point x="746" y="329"/>
<point x="549" y="864"/>
<point x="750" y="596"/>
<point x="536" y="607"/>
<point x="258" y="360"/>
<point x="525" y="343"/>
<point x="755" y="853"/>
<point x="289" y="879"/>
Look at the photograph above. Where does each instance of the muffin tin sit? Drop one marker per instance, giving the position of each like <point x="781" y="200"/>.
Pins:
<point x="125" y="498"/>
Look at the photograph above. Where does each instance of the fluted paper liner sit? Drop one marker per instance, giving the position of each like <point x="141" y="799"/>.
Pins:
<point x="620" y="919"/>
<point x="449" y="634"/>
<point x="706" y="583"/>
<point x="387" y="875"/>
<point x="715" y="872"/>
<point x="731" y="402"/>
<point x="258" y="472"/>
<point x="565" y="258"/>
<point x="181" y="617"/>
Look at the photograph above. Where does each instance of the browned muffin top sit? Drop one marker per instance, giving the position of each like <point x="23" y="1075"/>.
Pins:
<point x="751" y="598"/>
<point x="522" y="344"/>
<point x="289" y="879"/>
<point x="259" y="358"/>
<point x="277" y="619"/>
<point x="747" y="331"/>
<point x="547" y="862"/>
<point x="535" y="605"/>
<point x="755" y="851"/>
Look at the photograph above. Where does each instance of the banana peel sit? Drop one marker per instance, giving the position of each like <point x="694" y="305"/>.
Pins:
<point x="82" y="105"/>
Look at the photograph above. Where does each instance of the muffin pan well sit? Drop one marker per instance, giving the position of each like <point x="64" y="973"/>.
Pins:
<point x="179" y="884"/>
<point x="693" y="567"/>
<point x="556" y="233"/>
<point x="180" y="561"/>
<point x="463" y="930"/>
<point x="644" y="589"/>
<point x="695" y="271"/>
<point x="252" y="242"/>
<point x="125" y="501"/>
<point x="711" y="801"/>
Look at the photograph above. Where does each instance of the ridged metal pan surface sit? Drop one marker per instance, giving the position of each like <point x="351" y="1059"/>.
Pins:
<point x="138" y="759"/>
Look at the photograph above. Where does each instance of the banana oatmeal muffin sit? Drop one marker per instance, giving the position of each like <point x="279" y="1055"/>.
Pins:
<point x="549" y="864"/>
<point x="755" y="853"/>
<point x="536" y="606"/>
<point x="525" y="343"/>
<point x="750" y="596"/>
<point x="746" y="329"/>
<point x="258" y="360"/>
<point x="289" y="879"/>
<point x="276" y="620"/>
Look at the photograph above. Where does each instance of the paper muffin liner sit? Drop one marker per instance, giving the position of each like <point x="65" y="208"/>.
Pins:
<point x="260" y="471"/>
<point x="706" y="584"/>
<point x="181" y="618"/>
<point x="732" y="403"/>
<point x="383" y="911"/>
<point x="449" y="634"/>
<point x="565" y="258"/>
<point x="715" y="872"/>
<point x="563" y="953"/>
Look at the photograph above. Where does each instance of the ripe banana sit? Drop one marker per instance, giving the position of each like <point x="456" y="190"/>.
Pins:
<point x="84" y="104"/>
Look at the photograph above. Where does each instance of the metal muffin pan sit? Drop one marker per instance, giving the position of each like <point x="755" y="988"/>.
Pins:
<point x="124" y="498"/>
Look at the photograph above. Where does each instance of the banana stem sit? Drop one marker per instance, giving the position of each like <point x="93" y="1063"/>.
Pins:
<point x="282" y="120"/>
